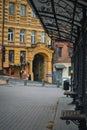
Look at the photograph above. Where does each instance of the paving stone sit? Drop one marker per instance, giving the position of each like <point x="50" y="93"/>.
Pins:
<point x="30" y="108"/>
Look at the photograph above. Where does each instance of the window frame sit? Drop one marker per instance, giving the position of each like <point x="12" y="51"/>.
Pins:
<point x="59" y="51"/>
<point x="22" y="36"/>
<point x="70" y="51"/>
<point x="22" y="57"/>
<point x="43" y="37"/>
<point x="11" y="10"/>
<point x="33" y="37"/>
<point x="22" y="10"/>
<point x="10" y="35"/>
<point x="33" y="15"/>
<point x="11" y="57"/>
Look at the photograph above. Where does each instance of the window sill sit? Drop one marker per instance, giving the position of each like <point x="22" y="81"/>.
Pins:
<point x="11" y="17"/>
<point x="22" y="43"/>
<point x="10" y="41"/>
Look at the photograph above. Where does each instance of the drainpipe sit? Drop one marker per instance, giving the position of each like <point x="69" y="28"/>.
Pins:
<point x="3" y="12"/>
<point x="84" y="58"/>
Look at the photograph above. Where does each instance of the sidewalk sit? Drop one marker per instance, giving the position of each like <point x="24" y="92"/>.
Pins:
<point x="59" y="124"/>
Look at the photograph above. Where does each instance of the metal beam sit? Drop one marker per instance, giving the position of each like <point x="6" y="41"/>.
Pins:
<point x="74" y="11"/>
<point x="53" y="9"/>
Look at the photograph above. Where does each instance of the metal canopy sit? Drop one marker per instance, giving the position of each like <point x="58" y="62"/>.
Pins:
<point x="60" y="18"/>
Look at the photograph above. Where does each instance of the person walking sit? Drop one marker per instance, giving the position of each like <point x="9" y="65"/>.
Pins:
<point x="21" y="73"/>
<point x="28" y="76"/>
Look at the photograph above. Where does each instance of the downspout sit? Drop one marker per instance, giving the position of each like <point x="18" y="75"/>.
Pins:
<point x="3" y="12"/>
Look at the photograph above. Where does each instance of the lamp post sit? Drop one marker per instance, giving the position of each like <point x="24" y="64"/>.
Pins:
<point x="71" y="79"/>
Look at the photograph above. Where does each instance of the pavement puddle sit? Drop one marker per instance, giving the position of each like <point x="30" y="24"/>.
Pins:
<point x="50" y="125"/>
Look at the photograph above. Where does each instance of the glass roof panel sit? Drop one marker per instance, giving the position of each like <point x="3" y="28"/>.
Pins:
<point x="60" y="18"/>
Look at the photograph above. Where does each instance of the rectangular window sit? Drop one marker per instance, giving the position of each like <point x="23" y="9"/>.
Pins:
<point x="70" y="51"/>
<point x="11" y="8"/>
<point x="10" y="35"/>
<point x="59" y="51"/>
<point x="70" y="70"/>
<point x="22" y="36"/>
<point x="22" y="10"/>
<point x="33" y="15"/>
<point x="33" y="33"/>
<point x="11" y="56"/>
<point x="43" y="37"/>
<point x="22" y="57"/>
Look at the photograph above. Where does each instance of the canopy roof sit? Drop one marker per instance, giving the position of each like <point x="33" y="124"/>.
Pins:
<point x="60" y="18"/>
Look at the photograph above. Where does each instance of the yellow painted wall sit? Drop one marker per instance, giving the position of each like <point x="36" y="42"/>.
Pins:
<point x="18" y="22"/>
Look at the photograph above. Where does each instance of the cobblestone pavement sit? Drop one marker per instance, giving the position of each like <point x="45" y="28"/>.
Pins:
<point x="64" y="104"/>
<point x="31" y="108"/>
<point x="27" y="108"/>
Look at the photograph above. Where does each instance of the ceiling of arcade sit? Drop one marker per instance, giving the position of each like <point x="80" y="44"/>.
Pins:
<point x="60" y="18"/>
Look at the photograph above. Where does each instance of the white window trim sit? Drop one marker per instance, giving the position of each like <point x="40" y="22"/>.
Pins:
<point x="10" y="35"/>
<point x="9" y="11"/>
<point x="22" y="10"/>
<point x="43" y="37"/>
<point x="22" y="36"/>
<point x="33" y="34"/>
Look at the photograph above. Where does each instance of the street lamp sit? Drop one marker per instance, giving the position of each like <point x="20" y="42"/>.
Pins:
<point x="71" y="72"/>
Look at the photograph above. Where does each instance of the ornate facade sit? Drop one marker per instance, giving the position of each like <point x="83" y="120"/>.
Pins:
<point x="23" y="42"/>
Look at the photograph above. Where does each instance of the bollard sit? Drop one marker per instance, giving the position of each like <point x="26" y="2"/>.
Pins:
<point x="25" y="82"/>
<point x="66" y="85"/>
<point x="43" y="83"/>
<point x="7" y="81"/>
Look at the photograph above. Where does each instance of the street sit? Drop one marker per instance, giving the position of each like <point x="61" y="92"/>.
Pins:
<point x="29" y="108"/>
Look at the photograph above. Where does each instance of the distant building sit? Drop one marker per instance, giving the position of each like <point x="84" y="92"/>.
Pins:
<point x="61" y="61"/>
<point x="23" y="42"/>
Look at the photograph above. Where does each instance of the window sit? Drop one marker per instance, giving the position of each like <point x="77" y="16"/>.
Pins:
<point x="22" y="56"/>
<point x="33" y="37"/>
<point x="11" y="8"/>
<point x="43" y="39"/>
<point x="11" y="56"/>
<point x="33" y="15"/>
<point x="23" y="10"/>
<point x="59" y="51"/>
<point x="10" y="35"/>
<point x="70" y="70"/>
<point x="22" y="35"/>
<point x="70" y="51"/>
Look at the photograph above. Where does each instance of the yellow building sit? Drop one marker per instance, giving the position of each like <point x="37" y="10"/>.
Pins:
<point x="23" y="42"/>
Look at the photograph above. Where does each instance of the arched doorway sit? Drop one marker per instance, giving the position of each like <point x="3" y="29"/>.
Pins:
<point x="38" y="67"/>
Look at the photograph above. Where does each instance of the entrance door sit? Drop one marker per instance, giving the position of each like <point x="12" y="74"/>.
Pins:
<point x="59" y="75"/>
<point x="38" y="67"/>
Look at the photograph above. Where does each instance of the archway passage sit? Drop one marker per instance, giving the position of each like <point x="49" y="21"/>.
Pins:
<point x="38" y="67"/>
